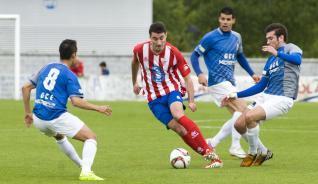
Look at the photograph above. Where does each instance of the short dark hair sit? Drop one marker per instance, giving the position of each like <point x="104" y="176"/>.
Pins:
<point x="227" y="11"/>
<point x="279" y="29"/>
<point x="157" y="27"/>
<point x="67" y="48"/>
<point x="102" y="64"/>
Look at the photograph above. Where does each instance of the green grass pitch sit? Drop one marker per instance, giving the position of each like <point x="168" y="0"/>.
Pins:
<point x="134" y="148"/>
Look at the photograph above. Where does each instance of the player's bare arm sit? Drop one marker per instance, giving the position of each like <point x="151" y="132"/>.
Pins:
<point x="26" y="92"/>
<point x="83" y="104"/>
<point x="134" y="72"/>
<point x="202" y="79"/>
<point x="190" y="90"/>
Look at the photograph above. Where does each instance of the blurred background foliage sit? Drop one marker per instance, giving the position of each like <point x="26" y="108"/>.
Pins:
<point x="188" y="20"/>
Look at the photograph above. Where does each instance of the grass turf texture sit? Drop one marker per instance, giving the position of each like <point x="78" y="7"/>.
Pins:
<point x="133" y="147"/>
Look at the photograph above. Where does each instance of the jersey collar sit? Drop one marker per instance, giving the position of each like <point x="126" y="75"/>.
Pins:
<point x="224" y="33"/>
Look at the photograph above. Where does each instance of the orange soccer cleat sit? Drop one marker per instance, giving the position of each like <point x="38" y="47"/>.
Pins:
<point x="248" y="160"/>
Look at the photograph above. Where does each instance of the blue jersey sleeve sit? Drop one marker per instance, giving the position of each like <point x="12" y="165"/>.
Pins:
<point x="244" y="64"/>
<point x="195" y="62"/>
<point x="257" y="88"/>
<point x="73" y="86"/>
<point x="34" y="77"/>
<point x="204" y="45"/>
<point x="294" y="58"/>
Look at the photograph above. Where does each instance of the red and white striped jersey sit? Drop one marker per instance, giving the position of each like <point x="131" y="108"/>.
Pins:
<point x="159" y="73"/>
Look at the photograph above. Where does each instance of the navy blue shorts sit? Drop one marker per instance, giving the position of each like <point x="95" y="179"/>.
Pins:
<point x="160" y="107"/>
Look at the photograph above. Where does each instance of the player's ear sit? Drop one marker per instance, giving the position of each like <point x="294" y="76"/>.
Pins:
<point x="234" y="20"/>
<point x="281" y="38"/>
<point x="73" y="56"/>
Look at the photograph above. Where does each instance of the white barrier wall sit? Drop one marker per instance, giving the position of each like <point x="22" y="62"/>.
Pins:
<point x="119" y="81"/>
<point x="119" y="87"/>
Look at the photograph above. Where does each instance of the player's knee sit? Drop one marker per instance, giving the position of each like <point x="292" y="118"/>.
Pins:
<point x="179" y="129"/>
<point x="92" y="135"/>
<point x="177" y="114"/>
<point x="249" y="118"/>
<point x="240" y="125"/>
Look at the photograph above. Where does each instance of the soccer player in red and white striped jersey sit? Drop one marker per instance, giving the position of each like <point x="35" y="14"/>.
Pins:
<point x="160" y="63"/>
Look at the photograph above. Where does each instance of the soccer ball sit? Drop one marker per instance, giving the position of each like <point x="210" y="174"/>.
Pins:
<point x="180" y="158"/>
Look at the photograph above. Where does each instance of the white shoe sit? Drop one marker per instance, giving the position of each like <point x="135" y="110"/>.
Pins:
<point x="237" y="152"/>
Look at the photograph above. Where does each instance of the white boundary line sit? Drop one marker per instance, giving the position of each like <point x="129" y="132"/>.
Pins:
<point x="268" y="130"/>
<point x="224" y="120"/>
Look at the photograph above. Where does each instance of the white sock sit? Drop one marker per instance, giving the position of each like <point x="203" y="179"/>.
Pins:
<point x="227" y="130"/>
<point x="262" y="147"/>
<point x="89" y="152"/>
<point x="67" y="148"/>
<point x="222" y="134"/>
<point x="252" y="137"/>
<point x="245" y="136"/>
<point x="236" y="137"/>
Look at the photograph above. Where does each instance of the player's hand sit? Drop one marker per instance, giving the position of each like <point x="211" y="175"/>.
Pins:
<point x="256" y="78"/>
<point x="105" y="109"/>
<point x="202" y="79"/>
<point x="269" y="49"/>
<point x="192" y="106"/>
<point x="137" y="89"/>
<point x="228" y="98"/>
<point x="28" y="119"/>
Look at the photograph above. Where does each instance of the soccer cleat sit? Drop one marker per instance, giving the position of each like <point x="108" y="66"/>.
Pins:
<point x="248" y="160"/>
<point x="262" y="158"/>
<point x="210" y="155"/>
<point x="90" y="176"/>
<point x="216" y="162"/>
<point x="237" y="152"/>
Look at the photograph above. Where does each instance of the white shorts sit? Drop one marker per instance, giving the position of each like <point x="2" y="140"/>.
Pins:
<point x="220" y="91"/>
<point x="273" y="105"/>
<point x="67" y="124"/>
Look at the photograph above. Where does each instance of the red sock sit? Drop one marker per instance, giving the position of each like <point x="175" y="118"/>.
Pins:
<point x="194" y="136"/>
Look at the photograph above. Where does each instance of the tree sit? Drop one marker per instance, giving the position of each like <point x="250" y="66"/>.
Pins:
<point x="188" y="20"/>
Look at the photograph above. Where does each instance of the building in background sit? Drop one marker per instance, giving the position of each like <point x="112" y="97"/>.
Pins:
<point x="110" y="27"/>
<point x="102" y="28"/>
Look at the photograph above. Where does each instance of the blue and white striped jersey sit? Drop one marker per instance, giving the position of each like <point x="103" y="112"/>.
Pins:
<point x="54" y="83"/>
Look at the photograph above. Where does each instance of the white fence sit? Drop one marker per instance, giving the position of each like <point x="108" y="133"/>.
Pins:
<point x="117" y="86"/>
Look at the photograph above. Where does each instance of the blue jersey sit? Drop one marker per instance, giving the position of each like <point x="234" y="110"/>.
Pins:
<point x="54" y="83"/>
<point x="283" y="75"/>
<point x="280" y="74"/>
<point x="220" y="50"/>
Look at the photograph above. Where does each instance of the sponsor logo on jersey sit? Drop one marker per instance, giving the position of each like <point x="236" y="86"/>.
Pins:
<point x="45" y="103"/>
<point x="157" y="74"/>
<point x="274" y="67"/>
<point x="226" y="62"/>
